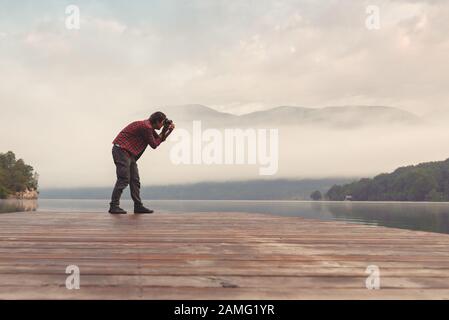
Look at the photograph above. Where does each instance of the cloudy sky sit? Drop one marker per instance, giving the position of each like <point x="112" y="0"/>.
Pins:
<point x="64" y="94"/>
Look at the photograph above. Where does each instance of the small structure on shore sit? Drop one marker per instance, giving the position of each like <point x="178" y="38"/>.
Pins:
<point x="28" y="194"/>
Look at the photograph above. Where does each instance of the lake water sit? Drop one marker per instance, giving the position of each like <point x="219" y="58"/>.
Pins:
<point x="406" y="215"/>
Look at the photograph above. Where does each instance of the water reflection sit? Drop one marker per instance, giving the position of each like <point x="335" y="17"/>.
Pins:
<point x="415" y="216"/>
<point x="13" y="205"/>
<point x="406" y="215"/>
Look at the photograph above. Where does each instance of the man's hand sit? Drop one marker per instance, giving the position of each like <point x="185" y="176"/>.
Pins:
<point x="166" y="131"/>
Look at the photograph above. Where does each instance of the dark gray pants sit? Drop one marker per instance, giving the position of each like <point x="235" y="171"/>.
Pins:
<point x="127" y="173"/>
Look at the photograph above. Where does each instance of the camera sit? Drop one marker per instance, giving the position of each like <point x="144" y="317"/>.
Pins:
<point x="167" y="122"/>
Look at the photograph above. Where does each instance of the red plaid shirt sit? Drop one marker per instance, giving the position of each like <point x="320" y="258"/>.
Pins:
<point x="136" y="136"/>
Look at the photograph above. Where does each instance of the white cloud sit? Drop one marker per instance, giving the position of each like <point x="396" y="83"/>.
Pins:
<point x="231" y="55"/>
<point x="106" y="25"/>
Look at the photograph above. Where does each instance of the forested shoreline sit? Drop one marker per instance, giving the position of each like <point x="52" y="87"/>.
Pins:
<point x="16" y="177"/>
<point x="423" y="182"/>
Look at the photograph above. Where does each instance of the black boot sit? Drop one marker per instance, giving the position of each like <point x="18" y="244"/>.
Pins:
<point x="142" y="209"/>
<point x="114" y="209"/>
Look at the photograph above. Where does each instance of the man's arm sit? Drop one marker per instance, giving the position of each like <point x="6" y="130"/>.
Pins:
<point x="153" y="139"/>
<point x="166" y="133"/>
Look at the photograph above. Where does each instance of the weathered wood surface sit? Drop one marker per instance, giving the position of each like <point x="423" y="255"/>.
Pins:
<point x="215" y="256"/>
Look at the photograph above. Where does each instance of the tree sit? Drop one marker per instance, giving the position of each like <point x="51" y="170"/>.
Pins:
<point x="316" y="195"/>
<point x="3" y="192"/>
<point x="435" y="196"/>
<point x="423" y="182"/>
<point x="15" y="175"/>
<point x="336" y="193"/>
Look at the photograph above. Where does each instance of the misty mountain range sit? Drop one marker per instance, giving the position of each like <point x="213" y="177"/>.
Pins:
<point x="345" y="117"/>
<point x="334" y="117"/>
<point x="280" y="189"/>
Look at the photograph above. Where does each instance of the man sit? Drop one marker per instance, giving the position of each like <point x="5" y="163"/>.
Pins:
<point x="128" y="147"/>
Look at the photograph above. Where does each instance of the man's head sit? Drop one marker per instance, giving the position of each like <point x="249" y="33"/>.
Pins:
<point x="157" y="120"/>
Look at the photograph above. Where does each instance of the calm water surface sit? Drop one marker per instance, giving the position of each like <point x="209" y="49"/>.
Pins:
<point x="415" y="216"/>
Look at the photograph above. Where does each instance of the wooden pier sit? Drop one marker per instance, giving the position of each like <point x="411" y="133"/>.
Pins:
<point x="215" y="256"/>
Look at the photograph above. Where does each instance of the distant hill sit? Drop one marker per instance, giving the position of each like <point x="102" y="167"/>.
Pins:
<point x="337" y="117"/>
<point x="423" y="182"/>
<point x="349" y="116"/>
<point x="237" y="190"/>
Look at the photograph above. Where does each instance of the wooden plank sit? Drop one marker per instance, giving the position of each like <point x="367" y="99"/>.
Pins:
<point x="249" y="281"/>
<point x="215" y="256"/>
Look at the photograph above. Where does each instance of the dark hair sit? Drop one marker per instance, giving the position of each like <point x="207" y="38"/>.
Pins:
<point x="157" y="117"/>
